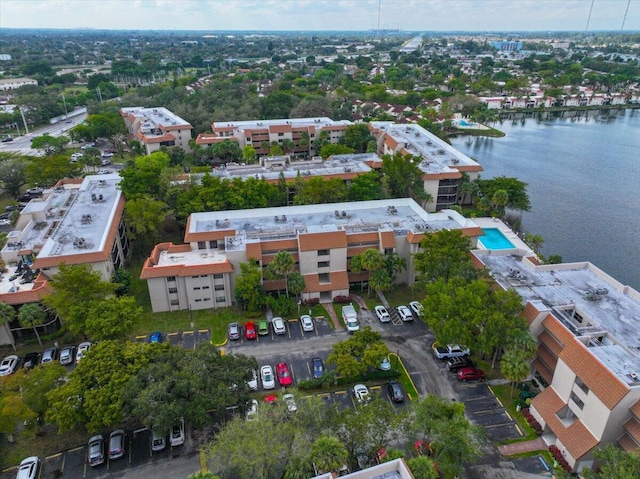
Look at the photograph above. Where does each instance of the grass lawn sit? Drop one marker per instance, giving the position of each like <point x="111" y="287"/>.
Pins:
<point x="404" y="379"/>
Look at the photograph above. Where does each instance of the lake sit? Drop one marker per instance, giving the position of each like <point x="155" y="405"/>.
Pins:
<point x="583" y="176"/>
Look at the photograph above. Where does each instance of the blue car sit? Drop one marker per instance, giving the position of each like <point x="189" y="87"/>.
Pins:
<point x="155" y="337"/>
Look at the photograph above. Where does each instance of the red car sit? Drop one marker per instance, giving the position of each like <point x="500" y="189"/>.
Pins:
<point x="250" y="330"/>
<point x="470" y="374"/>
<point x="284" y="376"/>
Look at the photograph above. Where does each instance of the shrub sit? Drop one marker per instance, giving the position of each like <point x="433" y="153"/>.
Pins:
<point x="533" y="422"/>
<point x="342" y="299"/>
<point x="311" y="302"/>
<point x="557" y="455"/>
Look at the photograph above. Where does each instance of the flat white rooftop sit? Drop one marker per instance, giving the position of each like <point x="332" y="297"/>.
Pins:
<point x="319" y="121"/>
<point x="72" y="219"/>
<point x="400" y="215"/>
<point x="271" y="168"/>
<point x="154" y="118"/>
<point x="437" y="155"/>
<point x="590" y="303"/>
<point x="191" y="258"/>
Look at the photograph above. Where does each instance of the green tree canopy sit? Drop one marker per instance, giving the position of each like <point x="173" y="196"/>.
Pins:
<point x="357" y="137"/>
<point x="615" y="462"/>
<point x="51" y="145"/>
<point x="47" y="172"/>
<point x="142" y="178"/>
<point x="12" y="174"/>
<point x="112" y="317"/>
<point x="353" y="356"/>
<point x="249" y="292"/>
<point x="444" y="255"/>
<point x="516" y="191"/>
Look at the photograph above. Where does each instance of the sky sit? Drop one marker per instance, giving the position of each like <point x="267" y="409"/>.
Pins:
<point x="265" y="15"/>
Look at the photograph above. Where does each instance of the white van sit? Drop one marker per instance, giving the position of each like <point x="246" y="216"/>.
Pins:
<point x="350" y="318"/>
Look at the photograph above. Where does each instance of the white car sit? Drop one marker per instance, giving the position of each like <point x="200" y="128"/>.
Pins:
<point x="105" y="162"/>
<point x="278" y="326"/>
<point x="5" y="222"/>
<point x="307" y="323"/>
<point x="267" y="377"/>
<point x="382" y="314"/>
<point x="252" y="411"/>
<point x="385" y="364"/>
<point x="253" y="382"/>
<point x="9" y="365"/>
<point x="361" y="393"/>
<point x="405" y="313"/>
<point x="177" y="434"/>
<point x="83" y="348"/>
<point x="417" y="308"/>
<point x="158" y="442"/>
<point x="290" y="401"/>
<point x="29" y="468"/>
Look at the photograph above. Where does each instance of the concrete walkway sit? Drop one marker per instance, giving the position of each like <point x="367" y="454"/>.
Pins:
<point x="536" y="444"/>
<point x="334" y="317"/>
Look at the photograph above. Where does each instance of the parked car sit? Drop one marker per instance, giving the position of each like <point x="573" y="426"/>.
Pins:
<point x="449" y="351"/>
<point x="67" y="354"/>
<point x="290" y="401"/>
<point x="88" y="145"/>
<point x="7" y="139"/>
<point x="5" y="222"/>
<point x="252" y="410"/>
<point x="385" y="364"/>
<point x="470" y="374"/>
<point x="453" y="364"/>
<point x="106" y="154"/>
<point x="9" y="365"/>
<point x="105" y="162"/>
<point x="158" y="442"/>
<point x="266" y="375"/>
<point x="95" y="450"/>
<point x="233" y="331"/>
<point x="83" y="349"/>
<point x="49" y="355"/>
<point x="405" y="313"/>
<point x="382" y="314"/>
<point x="116" y="444"/>
<point x="416" y="308"/>
<point x="29" y="468"/>
<point x="250" y="330"/>
<point x="307" y="323"/>
<point x="278" y="326"/>
<point x="361" y="393"/>
<point x="155" y="337"/>
<point x="395" y="391"/>
<point x="253" y="382"/>
<point x="317" y="368"/>
<point x="263" y="327"/>
<point x="284" y="375"/>
<point x="177" y="434"/>
<point x="30" y="361"/>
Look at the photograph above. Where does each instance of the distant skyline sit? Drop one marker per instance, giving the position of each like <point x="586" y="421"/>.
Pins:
<point x="268" y="15"/>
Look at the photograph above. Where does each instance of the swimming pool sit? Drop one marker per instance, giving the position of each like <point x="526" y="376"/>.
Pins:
<point x="494" y="239"/>
<point x="464" y="123"/>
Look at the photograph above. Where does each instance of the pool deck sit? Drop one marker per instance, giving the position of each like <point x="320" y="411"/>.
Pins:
<point x="505" y="230"/>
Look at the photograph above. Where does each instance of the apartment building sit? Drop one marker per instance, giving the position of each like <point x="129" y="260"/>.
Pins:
<point x="441" y="164"/>
<point x="157" y="127"/>
<point x="15" y="83"/>
<point x="261" y="133"/>
<point x="588" y="352"/>
<point x="322" y="239"/>
<point x="76" y="222"/>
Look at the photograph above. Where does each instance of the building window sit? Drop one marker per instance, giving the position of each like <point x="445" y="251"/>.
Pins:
<point x="217" y="276"/>
<point x="202" y="245"/>
<point x="195" y="277"/>
<point x="219" y="287"/>
<point x="221" y="299"/>
<point x="171" y="279"/>
<point x="213" y="244"/>
<point x="173" y="290"/>
<point x="323" y="264"/>
<point x="324" y="278"/>
<point x="323" y="252"/>
<point x="198" y="300"/>
<point x="388" y="251"/>
<point x="196" y="288"/>
<point x="582" y="385"/>
<point x="280" y="134"/>
<point x="574" y="397"/>
<point x="175" y="302"/>
<point x="206" y="287"/>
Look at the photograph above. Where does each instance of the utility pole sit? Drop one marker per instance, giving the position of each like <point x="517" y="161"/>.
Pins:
<point x="99" y="93"/>
<point x="66" y="113"/>
<point x="26" y="128"/>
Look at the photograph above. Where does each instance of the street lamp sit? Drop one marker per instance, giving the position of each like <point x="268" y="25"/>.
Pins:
<point x="191" y="315"/>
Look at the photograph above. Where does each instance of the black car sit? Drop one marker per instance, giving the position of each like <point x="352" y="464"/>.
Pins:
<point x="453" y="364"/>
<point x="7" y="139"/>
<point x="395" y="391"/>
<point x="317" y="368"/>
<point x="31" y="360"/>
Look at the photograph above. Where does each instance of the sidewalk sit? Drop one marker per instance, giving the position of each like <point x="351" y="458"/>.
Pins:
<point x="536" y="444"/>
<point x="334" y="317"/>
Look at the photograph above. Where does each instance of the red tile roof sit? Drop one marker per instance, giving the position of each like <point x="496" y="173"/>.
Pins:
<point x="316" y="241"/>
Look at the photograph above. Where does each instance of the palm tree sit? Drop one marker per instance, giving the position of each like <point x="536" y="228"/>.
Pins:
<point x="116" y="140"/>
<point x="394" y="264"/>
<point x="515" y="366"/>
<point x="288" y="145"/>
<point x="7" y="314"/>
<point x="32" y="315"/>
<point x="371" y="261"/>
<point x="304" y="141"/>
<point x="499" y="201"/>
<point x="328" y="454"/>
<point x="282" y="266"/>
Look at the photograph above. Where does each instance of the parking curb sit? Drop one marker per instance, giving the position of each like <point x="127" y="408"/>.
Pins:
<point x="219" y="345"/>
<point x="407" y="373"/>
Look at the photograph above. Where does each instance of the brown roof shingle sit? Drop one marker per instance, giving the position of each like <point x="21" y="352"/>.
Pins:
<point x="328" y="240"/>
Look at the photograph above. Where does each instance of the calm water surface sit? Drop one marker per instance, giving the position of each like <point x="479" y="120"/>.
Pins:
<point x="584" y="184"/>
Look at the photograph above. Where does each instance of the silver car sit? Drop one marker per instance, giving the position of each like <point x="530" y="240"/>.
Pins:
<point x="278" y="326"/>
<point x="95" y="451"/>
<point x="116" y="444"/>
<point x="307" y="323"/>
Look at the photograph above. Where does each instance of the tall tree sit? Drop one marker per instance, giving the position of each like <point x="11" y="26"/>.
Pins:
<point x="145" y="216"/>
<point x="515" y="366"/>
<point x="8" y="314"/>
<point x="248" y="291"/>
<point x="403" y="178"/>
<point x="51" y="145"/>
<point x="444" y="255"/>
<point x="31" y="315"/>
<point x="282" y="265"/>
<point x="361" y="351"/>
<point x="615" y="462"/>
<point x="328" y="454"/>
<point x="76" y="289"/>
<point x="112" y="317"/>
<point x="12" y="174"/>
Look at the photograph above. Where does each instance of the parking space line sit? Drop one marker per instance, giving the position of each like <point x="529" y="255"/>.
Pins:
<point x="84" y="472"/>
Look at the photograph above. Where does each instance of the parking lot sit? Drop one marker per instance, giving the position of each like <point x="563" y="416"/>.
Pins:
<point x="185" y="339"/>
<point x="73" y="462"/>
